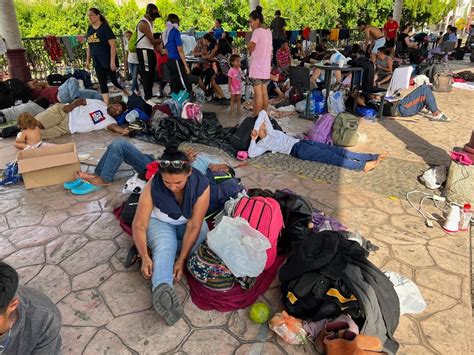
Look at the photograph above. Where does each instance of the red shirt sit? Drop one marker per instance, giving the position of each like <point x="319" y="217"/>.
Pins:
<point x="50" y="92"/>
<point x="390" y="29"/>
<point x="283" y="57"/>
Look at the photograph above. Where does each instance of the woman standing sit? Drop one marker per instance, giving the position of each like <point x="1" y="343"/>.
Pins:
<point x="170" y="220"/>
<point x="102" y="50"/>
<point x="260" y="51"/>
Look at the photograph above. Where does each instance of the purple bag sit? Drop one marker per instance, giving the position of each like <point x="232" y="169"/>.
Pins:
<point x="321" y="130"/>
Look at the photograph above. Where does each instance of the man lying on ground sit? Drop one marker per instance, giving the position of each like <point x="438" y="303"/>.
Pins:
<point x="265" y="138"/>
<point x="66" y="93"/>
<point x="121" y="151"/>
<point x="29" y="321"/>
<point x="32" y="107"/>
<point x="81" y="116"/>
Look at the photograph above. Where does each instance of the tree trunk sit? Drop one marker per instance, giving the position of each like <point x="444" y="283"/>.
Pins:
<point x="16" y="54"/>
<point x="253" y="4"/>
<point x="397" y="10"/>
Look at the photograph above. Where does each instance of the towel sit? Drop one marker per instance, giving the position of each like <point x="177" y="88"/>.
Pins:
<point x="169" y="27"/>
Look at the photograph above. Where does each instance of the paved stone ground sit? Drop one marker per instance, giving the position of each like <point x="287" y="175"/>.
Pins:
<point x="72" y="248"/>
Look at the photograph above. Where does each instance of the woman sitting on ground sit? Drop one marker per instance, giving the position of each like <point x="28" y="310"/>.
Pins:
<point x="384" y="65"/>
<point x="170" y="220"/>
<point x="265" y="138"/>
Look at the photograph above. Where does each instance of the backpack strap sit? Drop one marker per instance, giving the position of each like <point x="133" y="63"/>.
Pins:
<point x="138" y="40"/>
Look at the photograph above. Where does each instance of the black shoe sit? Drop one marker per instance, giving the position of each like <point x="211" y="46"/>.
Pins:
<point x="166" y="303"/>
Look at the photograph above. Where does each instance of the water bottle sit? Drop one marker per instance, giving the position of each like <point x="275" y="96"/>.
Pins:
<point x="312" y="105"/>
<point x="131" y="116"/>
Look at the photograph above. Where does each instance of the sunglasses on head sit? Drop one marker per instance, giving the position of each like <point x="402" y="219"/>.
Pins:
<point x="177" y="164"/>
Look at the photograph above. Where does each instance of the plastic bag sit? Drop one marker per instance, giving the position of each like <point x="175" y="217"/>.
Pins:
<point x="410" y="297"/>
<point x="300" y="106"/>
<point x="336" y="103"/>
<point x="288" y="328"/>
<point x="319" y="102"/>
<point x="433" y="178"/>
<point x="241" y="248"/>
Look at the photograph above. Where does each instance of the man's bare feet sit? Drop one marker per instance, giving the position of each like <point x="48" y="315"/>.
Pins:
<point x="93" y="179"/>
<point x="383" y="155"/>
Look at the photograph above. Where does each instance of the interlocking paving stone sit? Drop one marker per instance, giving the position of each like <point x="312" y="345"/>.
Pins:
<point x="105" y="342"/>
<point x="84" y="308"/>
<point x="212" y="341"/>
<point x="53" y="281"/>
<point x="80" y="223"/>
<point x="89" y="256"/>
<point x="146" y="331"/>
<point x="126" y="292"/>
<point x="63" y="246"/>
<point x="75" y="339"/>
<point x="25" y="216"/>
<point x="92" y="278"/>
<point x="24" y="237"/>
<point x="106" y="227"/>
<point x="26" y="257"/>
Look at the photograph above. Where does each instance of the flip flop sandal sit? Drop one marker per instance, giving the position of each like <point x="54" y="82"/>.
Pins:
<point x="72" y="184"/>
<point x="85" y="188"/>
<point x="132" y="257"/>
<point x="166" y="303"/>
<point x="135" y="127"/>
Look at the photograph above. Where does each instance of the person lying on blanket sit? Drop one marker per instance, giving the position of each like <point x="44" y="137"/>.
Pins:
<point x="122" y="151"/>
<point x="265" y="138"/>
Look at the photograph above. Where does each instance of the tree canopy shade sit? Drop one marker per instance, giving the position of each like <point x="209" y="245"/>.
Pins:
<point x="68" y="17"/>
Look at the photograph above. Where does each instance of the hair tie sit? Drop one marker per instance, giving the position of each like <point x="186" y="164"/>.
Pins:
<point x="151" y="170"/>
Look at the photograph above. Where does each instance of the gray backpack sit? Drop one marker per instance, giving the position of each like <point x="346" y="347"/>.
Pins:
<point x="344" y="130"/>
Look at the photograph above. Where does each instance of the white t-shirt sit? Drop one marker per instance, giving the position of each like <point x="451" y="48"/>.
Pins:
<point x="91" y="117"/>
<point x="132" y="56"/>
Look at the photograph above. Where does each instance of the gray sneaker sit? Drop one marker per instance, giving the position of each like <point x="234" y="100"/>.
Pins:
<point x="166" y="303"/>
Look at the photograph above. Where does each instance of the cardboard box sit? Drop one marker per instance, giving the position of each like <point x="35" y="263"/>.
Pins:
<point x="48" y="165"/>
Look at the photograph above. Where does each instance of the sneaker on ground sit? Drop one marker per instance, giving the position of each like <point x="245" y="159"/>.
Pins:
<point x="441" y="117"/>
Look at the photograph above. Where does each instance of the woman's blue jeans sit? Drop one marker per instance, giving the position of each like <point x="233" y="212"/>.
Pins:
<point x="165" y="240"/>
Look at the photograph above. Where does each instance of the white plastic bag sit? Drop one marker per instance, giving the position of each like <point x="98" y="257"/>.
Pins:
<point x="241" y="248"/>
<point x="434" y="177"/>
<point x="410" y="297"/>
<point x="336" y="103"/>
<point x="300" y="106"/>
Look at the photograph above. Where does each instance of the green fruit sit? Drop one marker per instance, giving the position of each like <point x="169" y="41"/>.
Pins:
<point x="259" y="313"/>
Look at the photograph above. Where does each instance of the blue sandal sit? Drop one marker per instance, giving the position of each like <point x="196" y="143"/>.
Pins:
<point x="85" y="188"/>
<point x="72" y="184"/>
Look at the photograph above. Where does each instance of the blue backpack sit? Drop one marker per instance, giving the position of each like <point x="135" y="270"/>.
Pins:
<point x="10" y="174"/>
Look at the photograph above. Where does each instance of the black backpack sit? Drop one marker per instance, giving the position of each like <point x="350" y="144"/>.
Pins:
<point x="55" y="79"/>
<point x="297" y="212"/>
<point x="129" y="209"/>
<point x="240" y="140"/>
<point x="6" y="97"/>
<point x="19" y="90"/>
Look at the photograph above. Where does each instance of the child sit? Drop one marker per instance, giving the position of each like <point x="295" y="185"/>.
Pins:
<point x="30" y="136"/>
<point x="235" y="82"/>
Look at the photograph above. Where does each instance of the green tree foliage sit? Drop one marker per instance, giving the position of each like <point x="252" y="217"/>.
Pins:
<point x="68" y="17"/>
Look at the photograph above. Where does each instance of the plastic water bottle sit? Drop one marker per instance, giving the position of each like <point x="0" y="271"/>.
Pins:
<point x="466" y="215"/>
<point x="312" y="105"/>
<point x="131" y="116"/>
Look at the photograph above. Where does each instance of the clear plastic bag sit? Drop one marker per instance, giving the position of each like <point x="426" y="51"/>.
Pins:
<point x="336" y="103"/>
<point x="289" y="328"/>
<point x="241" y="248"/>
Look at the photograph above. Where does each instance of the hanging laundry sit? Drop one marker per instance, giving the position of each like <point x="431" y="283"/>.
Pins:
<point x="313" y="36"/>
<point x="294" y="36"/>
<point x="233" y="34"/>
<point x="68" y="46"/>
<point x="81" y="38"/>
<point x="334" y="35"/>
<point x="200" y="34"/>
<point x="53" y="48"/>
<point x="241" y="34"/>
<point x="3" y="46"/>
<point x="74" y="42"/>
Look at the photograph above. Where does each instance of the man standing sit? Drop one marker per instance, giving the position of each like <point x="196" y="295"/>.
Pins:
<point x="278" y="32"/>
<point x="374" y="39"/>
<point x="146" y="51"/>
<point x="390" y="30"/>
<point x="29" y="321"/>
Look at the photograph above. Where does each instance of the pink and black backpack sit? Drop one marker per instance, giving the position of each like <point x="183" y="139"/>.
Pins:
<point x="192" y="111"/>
<point x="263" y="214"/>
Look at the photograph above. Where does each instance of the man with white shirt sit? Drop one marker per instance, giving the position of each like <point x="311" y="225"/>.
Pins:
<point x="81" y="116"/>
<point x="265" y="138"/>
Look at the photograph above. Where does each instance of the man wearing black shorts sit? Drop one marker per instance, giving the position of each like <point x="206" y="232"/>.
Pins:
<point x="390" y="30"/>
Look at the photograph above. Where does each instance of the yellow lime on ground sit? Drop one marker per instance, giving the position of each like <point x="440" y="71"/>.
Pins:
<point x="259" y="313"/>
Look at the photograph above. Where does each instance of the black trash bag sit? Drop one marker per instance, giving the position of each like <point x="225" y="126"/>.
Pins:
<point x="6" y="97"/>
<point x="19" y="90"/>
